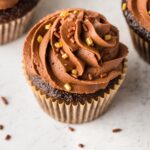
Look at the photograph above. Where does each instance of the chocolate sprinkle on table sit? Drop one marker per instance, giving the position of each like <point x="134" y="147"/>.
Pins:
<point x="4" y="100"/>
<point x="71" y="129"/>
<point x="116" y="130"/>
<point x="8" y="137"/>
<point x="81" y="145"/>
<point x="1" y="127"/>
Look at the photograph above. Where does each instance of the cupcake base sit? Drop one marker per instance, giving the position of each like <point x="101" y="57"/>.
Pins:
<point x="141" y="46"/>
<point x="76" y="113"/>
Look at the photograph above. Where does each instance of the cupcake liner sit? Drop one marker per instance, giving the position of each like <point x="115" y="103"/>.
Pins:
<point x="141" y="45"/>
<point x="77" y="113"/>
<point x="14" y="29"/>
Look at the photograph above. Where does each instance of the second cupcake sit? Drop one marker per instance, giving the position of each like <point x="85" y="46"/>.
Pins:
<point x="15" y="16"/>
<point x="75" y="64"/>
<point x="137" y="14"/>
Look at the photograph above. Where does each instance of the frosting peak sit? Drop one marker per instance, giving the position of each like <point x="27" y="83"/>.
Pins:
<point x="75" y="50"/>
<point x="4" y="4"/>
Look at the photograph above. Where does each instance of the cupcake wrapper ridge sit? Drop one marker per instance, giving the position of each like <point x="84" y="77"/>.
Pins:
<point x="141" y="45"/>
<point x="77" y="113"/>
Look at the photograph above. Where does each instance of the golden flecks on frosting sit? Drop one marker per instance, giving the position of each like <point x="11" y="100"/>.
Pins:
<point x="107" y="37"/>
<point x="124" y="6"/>
<point x="58" y="44"/>
<point x="48" y="26"/>
<point x="67" y="87"/>
<point x="64" y="14"/>
<point x="89" y="41"/>
<point x="65" y="56"/>
<point x="39" y="39"/>
<point x="73" y="53"/>
<point x="5" y="4"/>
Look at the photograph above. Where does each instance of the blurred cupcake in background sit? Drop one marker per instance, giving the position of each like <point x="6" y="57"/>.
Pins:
<point x="75" y="64"/>
<point x="137" y="14"/>
<point x="15" y="16"/>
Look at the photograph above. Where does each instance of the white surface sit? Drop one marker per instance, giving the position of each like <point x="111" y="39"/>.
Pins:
<point x="32" y="129"/>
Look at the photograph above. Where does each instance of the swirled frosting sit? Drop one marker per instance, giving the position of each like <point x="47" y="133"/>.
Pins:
<point x="75" y="50"/>
<point x="4" y="4"/>
<point x="141" y="11"/>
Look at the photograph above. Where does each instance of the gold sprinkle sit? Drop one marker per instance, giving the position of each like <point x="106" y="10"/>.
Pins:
<point x="58" y="44"/>
<point x="89" y="41"/>
<point x="48" y="26"/>
<point x="65" y="56"/>
<point x="40" y="38"/>
<point x="67" y="86"/>
<point x="75" y="11"/>
<point x="149" y="12"/>
<point x="74" y="72"/>
<point x="64" y="14"/>
<point x="107" y="37"/>
<point x="124" y="6"/>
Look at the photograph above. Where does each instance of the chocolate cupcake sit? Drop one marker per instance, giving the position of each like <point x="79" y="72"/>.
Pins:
<point x="75" y="64"/>
<point x="15" y="16"/>
<point x="137" y="14"/>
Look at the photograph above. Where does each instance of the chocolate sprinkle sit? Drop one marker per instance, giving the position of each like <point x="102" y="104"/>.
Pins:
<point x="1" y="127"/>
<point x="8" y="137"/>
<point x="116" y="130"/>
<point x="4" y="100"/>
<point x="81" y="145"/>
<point x="71" y="129"/>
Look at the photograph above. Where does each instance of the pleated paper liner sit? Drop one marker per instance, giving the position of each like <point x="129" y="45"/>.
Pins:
<point x="142" y="46"/>
<point x="77" y="113"/>
<point x="12" y="30"/>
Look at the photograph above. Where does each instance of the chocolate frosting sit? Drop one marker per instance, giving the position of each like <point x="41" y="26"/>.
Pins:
<point x="4" y="4"/>
<point x="96" y="64"/>
<point x="140" y="9"/>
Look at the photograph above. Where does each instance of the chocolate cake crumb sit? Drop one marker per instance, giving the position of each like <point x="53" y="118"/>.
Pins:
<point x="1" y="127"/>
<point x="81" y="145"/>
<point x="71" y="129"/>
<point x="8" y="137"/>
<point x="116" y="130"/>
<point x="4" y="100"/>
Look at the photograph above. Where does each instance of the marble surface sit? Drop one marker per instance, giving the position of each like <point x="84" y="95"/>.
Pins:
<point x="32" y="129"/>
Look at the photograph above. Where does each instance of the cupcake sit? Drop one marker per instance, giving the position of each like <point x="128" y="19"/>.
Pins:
<point x="75" y="64"/>
<point x="137" y="14"/>
<point x="14" y="18"/>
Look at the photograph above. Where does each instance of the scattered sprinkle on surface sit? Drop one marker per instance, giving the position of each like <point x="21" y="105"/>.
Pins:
<point x="8" y="137"/>
<point x="81" y="145"/>
<point x="71" y="129"/>
<point x="4" y="100"/>
<point x="116" y="130"/>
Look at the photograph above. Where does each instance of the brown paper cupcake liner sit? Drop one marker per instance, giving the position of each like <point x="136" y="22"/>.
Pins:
<point x="12" y="30"/>
<point x="142" y="46"/>
<point x="77" y="113"/>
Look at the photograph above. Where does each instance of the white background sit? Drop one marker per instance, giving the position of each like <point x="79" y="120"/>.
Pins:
<point x="32" y="129"/>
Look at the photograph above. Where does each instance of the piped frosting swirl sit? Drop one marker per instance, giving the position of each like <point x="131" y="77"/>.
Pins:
<point x="141" y="11"/>
<point x="75" y="50"/>
<point x="4" y="4"/>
